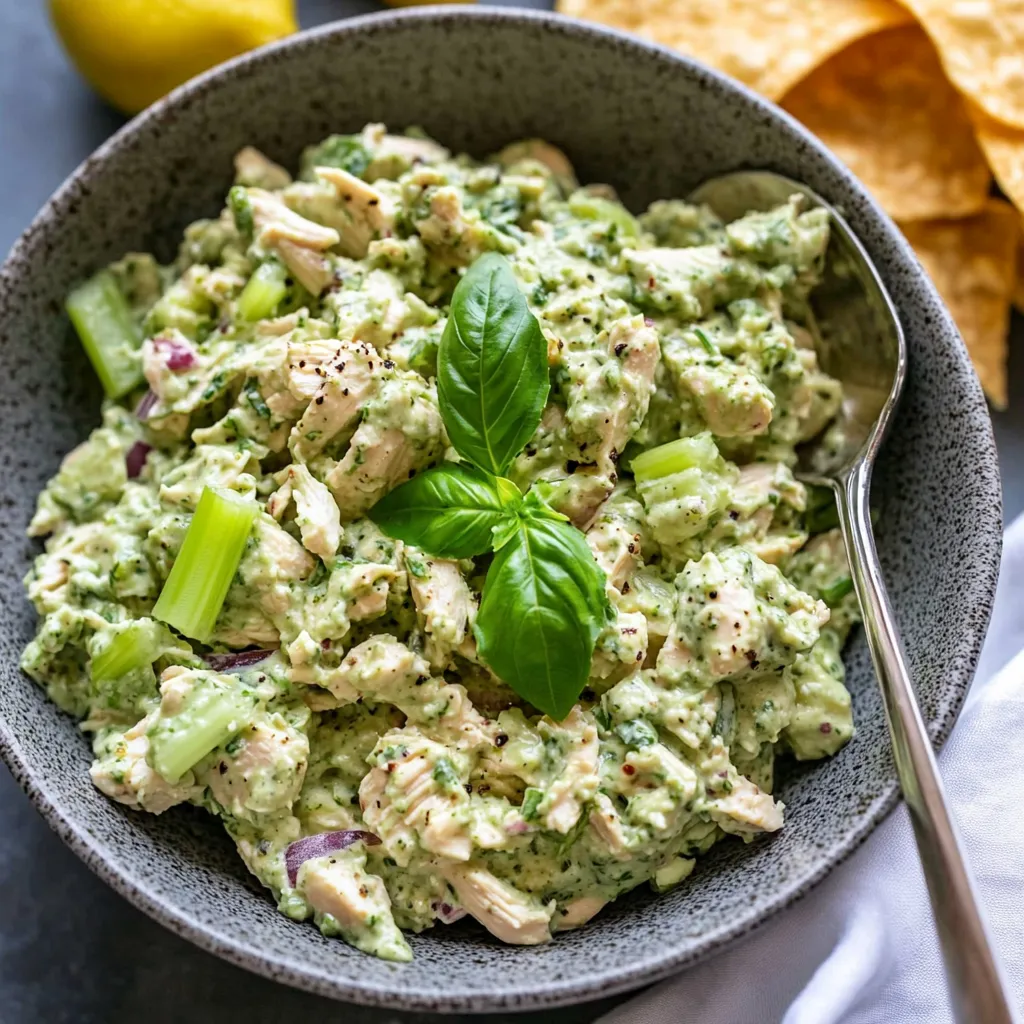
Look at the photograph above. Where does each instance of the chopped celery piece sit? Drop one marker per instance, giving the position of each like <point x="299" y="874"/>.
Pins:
<point x="201" y="575"/>
<point x="264" y="291"/>
<point x="687" y="453"/>
<point x="592" y="207"/>
<point x="833" y="594"/>
<point x="108" y="333"/>
<point x="705" y="342"/>
<point x="217" y="708"/>
<point x="651" y="595"/>
<point x="682" y="484"/>
<point x="137" y="644"/>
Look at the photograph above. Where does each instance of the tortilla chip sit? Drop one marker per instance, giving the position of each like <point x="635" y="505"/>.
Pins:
<point x="1004" y="148"/>
<point x="981" y="43"/>
<point x="973" y="263"/>
<point x="769" y="46"/>
<point x="886" y="109"/>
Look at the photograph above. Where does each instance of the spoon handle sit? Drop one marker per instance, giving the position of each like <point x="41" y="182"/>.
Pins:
<point x="976" y="988"/>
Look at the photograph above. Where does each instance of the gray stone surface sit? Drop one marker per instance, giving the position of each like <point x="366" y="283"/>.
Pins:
<point x="70" y="949"/>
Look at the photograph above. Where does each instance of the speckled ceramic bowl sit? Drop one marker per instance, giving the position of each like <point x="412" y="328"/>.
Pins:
<point x="654" y="125"/>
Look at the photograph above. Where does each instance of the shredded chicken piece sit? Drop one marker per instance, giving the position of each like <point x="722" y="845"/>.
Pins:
<point x="344" y="388"/>
<point x="578" y="781"/>
<point x="545" y="154"/>
<point x="311" y="269"/>
<point x="409" y="804"/>
<point x="608" y="826"/>
<point x="371" y="212"/>
<point x="444" y="604"/>
<point x="746" y="809"/>
<point x="505" y="912"/>
<point x="316" y="513"/>
<point x="255" y="169"/>
<point x="577" y="913"/>
<point x="376" y="461"/>
<point x="341" y="886"/>
<point x="616" y="546"/>
<point x="275" y="222"/>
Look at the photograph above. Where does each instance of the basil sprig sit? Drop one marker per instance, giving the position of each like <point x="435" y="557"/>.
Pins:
<point x="544" y="601"/>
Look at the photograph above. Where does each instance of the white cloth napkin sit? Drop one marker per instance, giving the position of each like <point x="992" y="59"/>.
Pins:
<point x="862" y="948"/>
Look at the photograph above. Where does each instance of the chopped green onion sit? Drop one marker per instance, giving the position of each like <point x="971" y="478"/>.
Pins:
<point x="636" y="734"/>
<point x="444" y="773"/>
<point x="705" y="342"/>
<point x="423" y="356"/>
<point x="591" y="207"/>
<point x="201" y="575"/>
<point x="210" y="715"/>
<point x="348" y="152"/>
<point x="531" y="801"/>
<point x="264" y="291"/>
<point x="138" y="644"/>
<point x="241" y="211"/>
<point x="687" y="453"/>
<point x="108" y="333"/>
<point x="833" y="594"/>
<point x="821" y="514"/>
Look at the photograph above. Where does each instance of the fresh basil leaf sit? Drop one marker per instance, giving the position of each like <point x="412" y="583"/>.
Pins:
<point x="449" y="511"/>
<point x="536" y="507"/>
<point x="542" y="608"/>
<point x="504" y="530"/>
<point x="492" y="367"/>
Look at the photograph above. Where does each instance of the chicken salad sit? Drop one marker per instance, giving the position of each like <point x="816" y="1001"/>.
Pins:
<point x="442" y="537"/>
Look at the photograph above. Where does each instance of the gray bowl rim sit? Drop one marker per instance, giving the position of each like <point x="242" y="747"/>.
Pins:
<point x="544" y="994"/>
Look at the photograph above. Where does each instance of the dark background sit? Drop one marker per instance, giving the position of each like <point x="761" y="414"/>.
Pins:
<point x="71" y="951"/>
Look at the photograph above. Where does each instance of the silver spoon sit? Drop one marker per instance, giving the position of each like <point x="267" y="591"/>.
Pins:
<point x="861" y="343"/>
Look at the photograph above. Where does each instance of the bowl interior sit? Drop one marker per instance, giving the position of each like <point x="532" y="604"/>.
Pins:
<point x="653" y="125"/>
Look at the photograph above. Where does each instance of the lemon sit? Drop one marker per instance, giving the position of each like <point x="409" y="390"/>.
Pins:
<point x="134" y="51"/>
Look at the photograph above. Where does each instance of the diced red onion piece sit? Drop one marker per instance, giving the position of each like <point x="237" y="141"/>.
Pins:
<point x="135" y="458"/>
<point x="177" y="355"/>
<point x="320" y="845"/>
<point x="518" y="827"/>
<point x="448" y="914"/>
<point x="239" y="659"/>
<point x="145" y="407"/>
